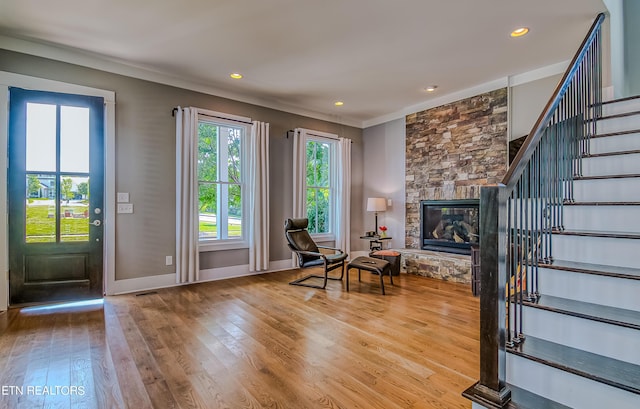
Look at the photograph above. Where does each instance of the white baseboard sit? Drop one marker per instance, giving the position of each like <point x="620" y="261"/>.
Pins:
<point x="133" y="285"/>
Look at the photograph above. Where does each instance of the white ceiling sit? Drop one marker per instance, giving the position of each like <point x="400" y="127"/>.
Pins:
<point x="301" y="55"/>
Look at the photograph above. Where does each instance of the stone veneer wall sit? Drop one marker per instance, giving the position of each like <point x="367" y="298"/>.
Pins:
<point x="451" y="151"/>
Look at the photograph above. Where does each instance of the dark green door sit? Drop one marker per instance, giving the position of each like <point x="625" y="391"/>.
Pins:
<point x="55" y="190"/>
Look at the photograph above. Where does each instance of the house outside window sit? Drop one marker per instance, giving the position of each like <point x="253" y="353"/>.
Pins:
<point x="222" y="190"/>
<point x="320" y="186"/>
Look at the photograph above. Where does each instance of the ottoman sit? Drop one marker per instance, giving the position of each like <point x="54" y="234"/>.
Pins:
<point x="372" y="265"/>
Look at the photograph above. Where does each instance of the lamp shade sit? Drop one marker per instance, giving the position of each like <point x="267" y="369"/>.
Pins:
<point x="376" y="204"/>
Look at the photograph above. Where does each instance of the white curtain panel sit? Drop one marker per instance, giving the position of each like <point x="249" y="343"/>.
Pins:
<point x="343" y="220"/>
<point x="187" y="255"/>
<point x="299" y="173"/>
<point x="299" y="178"/>
<point x="259" y="197"/>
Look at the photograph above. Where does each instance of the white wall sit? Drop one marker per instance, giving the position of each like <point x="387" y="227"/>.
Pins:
<point x="616" y="45"/>
<point x="384" y="173"/>
<point x="527" y="101"/>
<point x="631" y="13"/>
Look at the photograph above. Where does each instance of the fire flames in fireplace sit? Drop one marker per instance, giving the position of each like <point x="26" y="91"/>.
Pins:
<point x="449" y="225"/>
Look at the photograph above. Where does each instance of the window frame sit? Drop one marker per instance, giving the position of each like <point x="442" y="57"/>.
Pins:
<point x="333" y="179"/>
<point x="220" y="119"/>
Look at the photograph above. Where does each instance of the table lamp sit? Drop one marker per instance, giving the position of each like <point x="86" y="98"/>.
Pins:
<point x="376" y="204"/>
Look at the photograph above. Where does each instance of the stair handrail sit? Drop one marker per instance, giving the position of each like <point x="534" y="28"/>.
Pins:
<point x="518" y="216"/>
<point x="525" y="152"/>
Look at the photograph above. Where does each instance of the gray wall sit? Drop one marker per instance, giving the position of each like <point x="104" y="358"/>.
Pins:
<point x="384" y="171"/>
<point x="632" y="47"/>
<point x="145" y="162"/>
<point x="527" y="101"/>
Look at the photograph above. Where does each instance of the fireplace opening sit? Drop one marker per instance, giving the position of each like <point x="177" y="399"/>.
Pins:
<point x="449" y="225"/>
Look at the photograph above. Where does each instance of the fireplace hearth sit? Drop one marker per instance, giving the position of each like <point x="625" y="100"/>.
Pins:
<point x="449" y="225"/>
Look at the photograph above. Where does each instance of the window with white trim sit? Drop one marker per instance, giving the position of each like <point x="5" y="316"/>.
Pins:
<point x="321" y="185"/>
<point x="222" y="190"/>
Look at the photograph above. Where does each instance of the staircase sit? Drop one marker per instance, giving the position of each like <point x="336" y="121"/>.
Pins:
<point x="582" y="336"/>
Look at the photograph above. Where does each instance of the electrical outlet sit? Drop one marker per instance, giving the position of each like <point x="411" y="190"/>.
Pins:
<point x="168" y="260"/>
<point x="123" y="197"/>
<point x="125" y="208"/>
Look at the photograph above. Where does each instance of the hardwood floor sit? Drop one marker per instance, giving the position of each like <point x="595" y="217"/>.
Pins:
<point x="252" y="342"/>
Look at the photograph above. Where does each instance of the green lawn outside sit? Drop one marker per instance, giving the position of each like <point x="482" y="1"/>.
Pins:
<point x="41" y="224"/>
<point x="210" y="229"/>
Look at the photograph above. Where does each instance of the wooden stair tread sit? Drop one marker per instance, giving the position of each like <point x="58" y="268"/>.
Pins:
<point x="624" y="99"/>
<point x="594" y="233"/>
<point x="520" y="399"/>
<point x="599" y="368"/>
<point x="597" y="269"/>
<point x="606" y="135"/>
<point x="605" y="154"/>
<point x="594" y="312"/>
<point x="629" y="176"/>
<point x="620" y="115"/>
<point x="601" y="203"/>
<point x="524" y="399"/>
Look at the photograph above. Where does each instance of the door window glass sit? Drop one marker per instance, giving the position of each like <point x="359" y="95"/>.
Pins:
<point x="74" y="139"/>
<point x="41" y="137"/>
<point x="41" y="208"/>
<point x="74" y="208"/>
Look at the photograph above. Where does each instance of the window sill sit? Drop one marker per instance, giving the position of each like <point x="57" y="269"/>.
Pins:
<point x="205" y="246"/>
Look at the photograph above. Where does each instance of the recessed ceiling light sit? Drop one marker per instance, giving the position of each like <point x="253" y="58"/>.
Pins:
<point x="519" y="32"/>
<point x="235" y="75"/>
<point x="431" y="88"/>
<point x="338" y="103"/>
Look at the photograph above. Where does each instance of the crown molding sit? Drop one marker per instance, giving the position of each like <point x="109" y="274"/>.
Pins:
<point x="115" y="66"/>
<point x="439" y="101"/>
<point x="509" y="81"/>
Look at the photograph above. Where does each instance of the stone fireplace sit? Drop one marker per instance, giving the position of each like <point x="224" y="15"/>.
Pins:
<point x="451" y="151"/>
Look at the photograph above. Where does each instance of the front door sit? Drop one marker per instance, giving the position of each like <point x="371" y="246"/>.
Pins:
<point x="55" y="190"/>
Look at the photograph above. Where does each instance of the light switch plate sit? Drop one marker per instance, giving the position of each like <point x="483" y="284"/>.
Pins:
<point x="125" y="207"/>
<point x="123" y="197"/>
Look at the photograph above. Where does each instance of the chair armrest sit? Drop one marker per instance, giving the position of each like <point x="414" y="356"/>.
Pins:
<point x="310" y="253"/>
<point x="331" y="248"/>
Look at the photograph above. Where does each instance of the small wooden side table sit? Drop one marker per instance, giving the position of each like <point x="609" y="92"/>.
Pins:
<point x="375" y="242"/>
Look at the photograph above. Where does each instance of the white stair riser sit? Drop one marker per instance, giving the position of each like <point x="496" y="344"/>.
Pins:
<point x="591" y="288"/>
<point x="596" y="337"/>
<point x="602" y="218"/>
<point x="628" y="164"/>
<point x="596" y="250"/>
<point x="616" y="143"/>
<point x="566" y="388"/>
<point x="621" y="107"/>
<point x="607" y="190"/>
<point x="621" y="124"/>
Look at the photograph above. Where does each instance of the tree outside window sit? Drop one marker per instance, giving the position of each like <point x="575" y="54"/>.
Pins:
<point x="220" y="180"/>
<point x="318" y="181"/>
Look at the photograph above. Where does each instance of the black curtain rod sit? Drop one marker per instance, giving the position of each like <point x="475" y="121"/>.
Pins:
<point x="174" y="110"/>
<point x="292" y="130"/>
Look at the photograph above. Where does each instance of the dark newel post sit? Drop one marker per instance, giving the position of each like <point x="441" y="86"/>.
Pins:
<point x="492" y="388"/>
